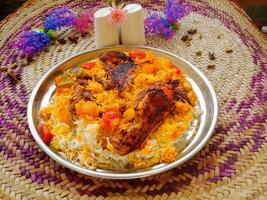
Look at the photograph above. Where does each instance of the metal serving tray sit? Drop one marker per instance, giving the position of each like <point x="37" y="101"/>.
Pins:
<point x="207" y="101"/>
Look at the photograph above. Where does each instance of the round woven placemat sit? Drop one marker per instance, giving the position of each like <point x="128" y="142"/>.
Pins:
<point x="233" y="165"/>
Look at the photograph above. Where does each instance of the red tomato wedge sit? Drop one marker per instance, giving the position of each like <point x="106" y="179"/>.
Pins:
<point x="178" y="72"/>
<point x="167" y="90"/>
<point x="46" y="134"/>
<point x="110" y="118"/>
<point x="88" y="65"/>
<point x="137" y="54"/>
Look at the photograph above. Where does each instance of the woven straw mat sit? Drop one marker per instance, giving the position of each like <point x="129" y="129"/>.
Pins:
<point x="233" y="165"/>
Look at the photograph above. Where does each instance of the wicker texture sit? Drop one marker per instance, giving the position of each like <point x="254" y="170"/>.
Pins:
<point x="233" y="165"/>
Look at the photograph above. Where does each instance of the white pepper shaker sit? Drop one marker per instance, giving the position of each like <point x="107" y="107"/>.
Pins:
<point x="106" y="34"/>
<point x="132" y="29"/>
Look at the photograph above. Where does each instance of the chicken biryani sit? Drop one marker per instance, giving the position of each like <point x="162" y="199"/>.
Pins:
<point x="123" y="110"/>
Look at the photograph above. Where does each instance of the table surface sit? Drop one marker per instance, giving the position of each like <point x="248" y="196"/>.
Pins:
<point x="233" y="165"/>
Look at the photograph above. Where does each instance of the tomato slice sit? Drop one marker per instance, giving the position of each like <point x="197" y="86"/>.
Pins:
<point x="46" y="134"/>
<point x="178" y="72"/>
<point x="137" y="54"/>
<point x="110" y="118"/>
<point x="88" y="65"/>
<point x="167" y="90"/>
<point x="111" y="113"/>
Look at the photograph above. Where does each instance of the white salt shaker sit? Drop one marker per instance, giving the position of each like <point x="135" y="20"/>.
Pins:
<point x="132" y="29"/>
<point x="106" y="34"/>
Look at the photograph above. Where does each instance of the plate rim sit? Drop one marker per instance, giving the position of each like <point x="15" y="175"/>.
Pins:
<point x="122" y="175"/>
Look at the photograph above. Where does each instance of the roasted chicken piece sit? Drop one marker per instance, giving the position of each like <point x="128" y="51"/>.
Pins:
<point x="114" y="57"/>
<point x="119" y="67"/>
<point x="152" y="107"/>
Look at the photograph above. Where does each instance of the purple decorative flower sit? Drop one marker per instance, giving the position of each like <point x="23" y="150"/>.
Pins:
<point x="167" y="33"/>
<point x="153" y="23"/>
<point x="173" y="11"/>
<point x="165" y="25"/>
<point x="59" y="18"/>
<point x="31" y="42"/>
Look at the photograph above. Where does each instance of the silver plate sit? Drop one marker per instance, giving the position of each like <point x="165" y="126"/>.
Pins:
<point x="207" y="100"/>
